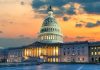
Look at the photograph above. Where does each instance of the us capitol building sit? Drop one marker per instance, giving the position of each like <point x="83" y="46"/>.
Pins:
<point x="51" y="48"/>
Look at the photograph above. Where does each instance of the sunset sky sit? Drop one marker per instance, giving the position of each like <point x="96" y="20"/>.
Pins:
<point x="20" y="20"/>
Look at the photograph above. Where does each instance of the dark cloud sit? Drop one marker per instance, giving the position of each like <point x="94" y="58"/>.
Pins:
<point x="11" y="22"/>
<point x="1" y="32"/>
<point x="58" y="3"/>
<point x="65" y="37"/>
<point x="90" y="6"/>
<point x="65" y="18"/>
<point x="71" y="10"/>
<point x="61" y="11"/>
<point x="38" y="4"/>
<point x="5" y="21"/>
<point x="15" y="42"/>
<point x="96" y="33"/>
<point x="22" y="3"/>
<point x="85" y="1"/>
<point x="91" y="40"/>
<point x="21" y="36"/>
<point x="80" y="37"/>
<point x="91" y="25"/>
<point x="78" y="25"/>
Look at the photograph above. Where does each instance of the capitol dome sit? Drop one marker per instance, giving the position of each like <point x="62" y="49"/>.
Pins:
<point x="50" y="31"/>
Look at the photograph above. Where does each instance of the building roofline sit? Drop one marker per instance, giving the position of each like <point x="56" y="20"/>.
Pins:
<point x="67" y="43"/>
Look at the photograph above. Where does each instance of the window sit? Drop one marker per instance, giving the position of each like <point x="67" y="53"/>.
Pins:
<point x="78" y="52"/>
<point x="92" y="48"/>
<point x="53" y="29"/>
<point x="56" y="59"/>
<point x="57" y="49"/>
<point x="99" y="53"/>
<point x="78" y="59"/>
<point x="83" y="59"/>
<point x="53" y="37"/>
<point x="41" y="37"/>
<point x="73" y="51"/>
<point x="50" y="36"/>
<point x="53" y="59"/>
<point x="64" y="49"/>
<point x="47" y="37"/>
<point x="68" y="52"/>
<point x="98" y="47"/>
<point x="95" y="53"/>
<point x="47" y="29"/>
<point x="48" y="59"/>
<point x="91" y="53"/>
<point x="64" y="53"/>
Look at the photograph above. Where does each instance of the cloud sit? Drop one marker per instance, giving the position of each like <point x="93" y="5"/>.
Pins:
<point x="71" y="10"/>
<point x="65" y="18"/>
<point x="1" y="32"/>
<point x="65" y="37"/>
<point x="39" y="3"/>
<point x="22" y="36"/>
<point x="60" y="5"/>
<point x="78" y="25"/>
<point x="92" y="7"/>
<point x="84" y="1"/>
<point x="15" y="42"/>
<point x="11" y="22"/>
<point x="96" y="33"/>
<point x="6" y="20"/>
<point x="91" y="25"/>
<point x="22" y="3"/>
<point x="80" y="37"/>
<point x="77" y="38"/>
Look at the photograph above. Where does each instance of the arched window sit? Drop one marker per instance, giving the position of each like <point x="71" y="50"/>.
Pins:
<point x="53" y="29"/>
<point x="41" y="37"/>
<point x="92" y="59"/>
<point x="99" y="59"/>
<point x="45" y="37"/>
<point x="83" y="59"/>
<point x="45" y="29"/>
<point x="49" y="37"/>
<point x="52" y="36"/>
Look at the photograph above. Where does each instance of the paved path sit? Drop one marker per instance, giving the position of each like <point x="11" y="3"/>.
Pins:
<point x="55" y="67"/>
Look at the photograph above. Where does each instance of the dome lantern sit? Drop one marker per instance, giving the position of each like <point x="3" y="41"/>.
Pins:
<point x="50" y="11"/>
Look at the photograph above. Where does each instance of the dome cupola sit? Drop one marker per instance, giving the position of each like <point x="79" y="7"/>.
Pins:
<point x="50" y="31"/>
